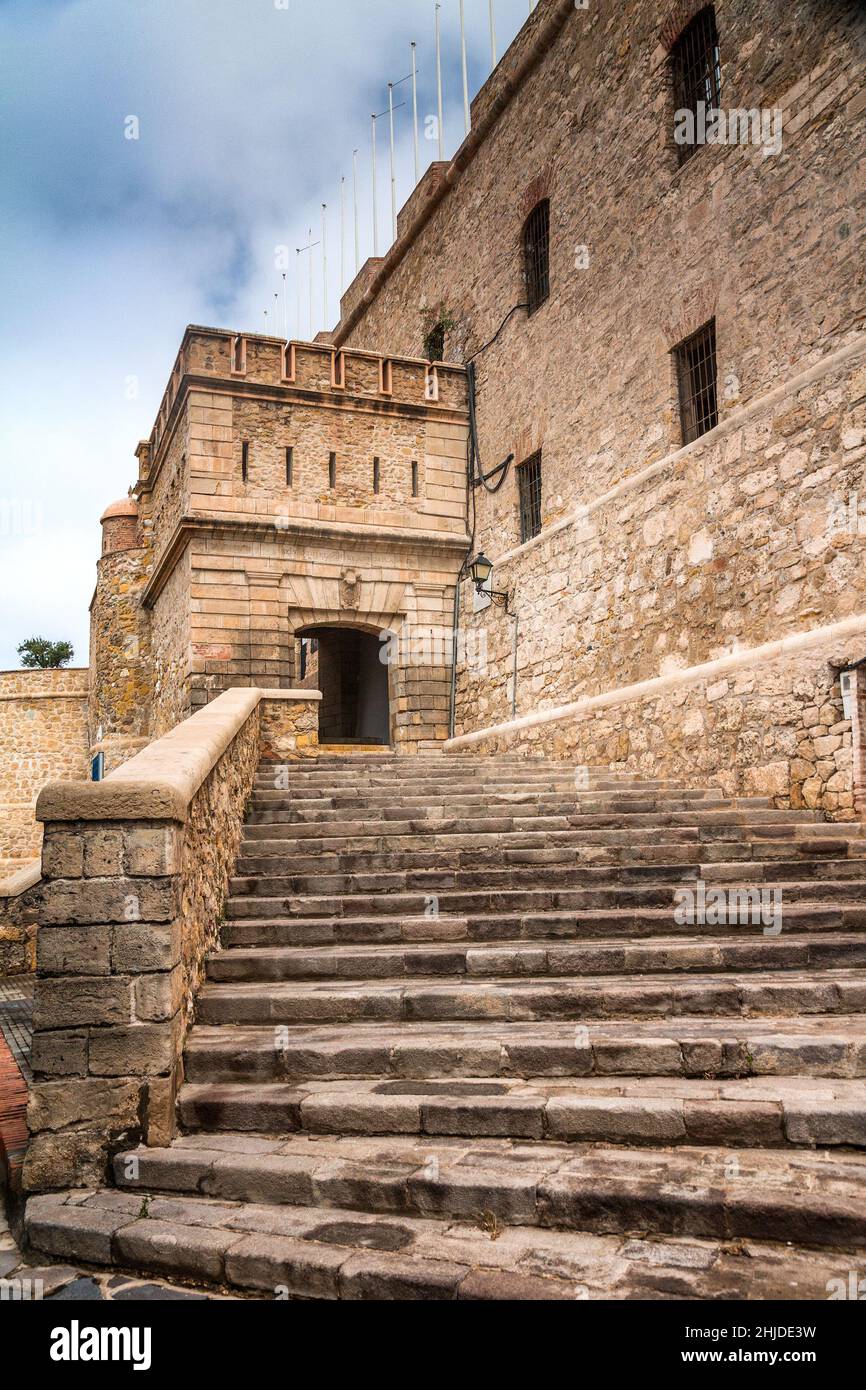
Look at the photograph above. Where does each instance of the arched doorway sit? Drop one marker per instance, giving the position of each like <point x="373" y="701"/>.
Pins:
<point x="345" y="664"/>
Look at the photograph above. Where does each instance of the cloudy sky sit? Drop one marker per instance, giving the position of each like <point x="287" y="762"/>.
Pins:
<point x="246" y="113"/>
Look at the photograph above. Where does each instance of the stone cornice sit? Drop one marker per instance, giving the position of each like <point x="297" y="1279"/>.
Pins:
<point x="303" y="528"/>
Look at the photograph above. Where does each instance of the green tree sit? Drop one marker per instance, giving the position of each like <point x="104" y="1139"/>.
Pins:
<point x="39" y="652"/>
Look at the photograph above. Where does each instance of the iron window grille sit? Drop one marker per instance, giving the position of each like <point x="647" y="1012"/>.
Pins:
<point x="529" y="495"/>
<point x="696" y="375"/>
<point x="536" y="255"/>
<point x="697" y="69"/>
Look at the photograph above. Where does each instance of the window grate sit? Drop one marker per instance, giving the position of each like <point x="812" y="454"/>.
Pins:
<point x="290" y="465"/>
<point x="414" y="477"/>
<point x="536" y="253"/>
<point x="332" y="470"/>
<point x="696" y="374"/>
<point x="245" y="460"/>
<point x="697" y="68"/>
<point x="529" y="494"/>
<point x="377" y="474"/>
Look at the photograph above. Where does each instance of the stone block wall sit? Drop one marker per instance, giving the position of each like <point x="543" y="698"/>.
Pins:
<point x="43" y="735"/>
<point x="749" y="536"/>
<point x="654" y="559"/>
<point x="19" y="911"/>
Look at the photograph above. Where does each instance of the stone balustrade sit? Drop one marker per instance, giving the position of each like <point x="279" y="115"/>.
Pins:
<point x="135" y="873"/>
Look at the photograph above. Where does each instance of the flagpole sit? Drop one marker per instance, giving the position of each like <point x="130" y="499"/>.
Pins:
<point x="375" y="216"/>
<point x="342" y="233"/>
<point x="415" y="109"/>
<point x="492" y="34"/>
<point x="325" y="265"/>
<point x="393" y="175"/>
<point x="439" y="83"/>
<point x="465" y="72"/>
<point x="355" y="200"/>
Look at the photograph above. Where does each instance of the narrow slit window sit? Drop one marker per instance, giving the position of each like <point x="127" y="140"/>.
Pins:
<point x="332" y="470"/>
<point x="245" y="460"/>
<point x="696" y="378"/>
<point x="536" y="254"/>
<point x="529" y="495"/>
<point x="290" y="466"/>
<point x="697" y="69"/>
<point x="238" y="354"/>
<point x="414" y="477"/>
<point x="377" y="474"/>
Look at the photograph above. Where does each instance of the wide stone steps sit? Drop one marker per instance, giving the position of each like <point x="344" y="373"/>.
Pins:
<point x="567" y="997"/>
<point x="676" y="845"/>
<point x="635" y="1110"/>
<point x="694" y="1191"/>
<point x="718" y="1047"/>
<point x="474" y="803"/>
<point x="431" y="896"/>
<point x="523" y="868"/>
<point x="664" y="955"/>
<point x="271" y="825"/>
<point x="590" y="925"/>
<point x="267" y="1251"/>
<point x="456" y="1044"/>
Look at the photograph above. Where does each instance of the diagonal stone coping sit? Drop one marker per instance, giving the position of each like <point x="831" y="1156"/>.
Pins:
<point x="160" y="782"/>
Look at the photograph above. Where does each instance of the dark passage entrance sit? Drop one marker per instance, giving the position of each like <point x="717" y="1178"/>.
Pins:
<point x="354" y="686"/>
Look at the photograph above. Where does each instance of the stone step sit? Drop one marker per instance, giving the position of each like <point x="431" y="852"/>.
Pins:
<point x="593" y="925"/>
<point x="685" y="1046"/>
<point x="302" y="854"/>
<point x="431" y="896"/>
<point x="578" y="999"/>
<point x="398" y="819"/>
<point x="306" y="1252"/>
<point x="475" y="802"/>
<point x="520" y="869"/>
<point x="505" y="958"/>
<point x="760" y="1194"/>
<point x="763" y="1112"/>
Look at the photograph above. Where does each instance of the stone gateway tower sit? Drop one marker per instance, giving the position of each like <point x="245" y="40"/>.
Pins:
<point x="295" y="504"/>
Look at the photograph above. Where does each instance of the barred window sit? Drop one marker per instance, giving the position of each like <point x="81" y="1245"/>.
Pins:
<point x="697" y="69"/>
<point x="696" y="373"/>
<point x="529" y="495"/>
<point x="536" y="254"/>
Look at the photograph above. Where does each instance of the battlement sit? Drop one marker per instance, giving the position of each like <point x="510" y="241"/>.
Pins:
<point x="306" y="371"/>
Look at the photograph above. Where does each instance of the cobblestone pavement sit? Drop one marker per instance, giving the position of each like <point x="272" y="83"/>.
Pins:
<point x="16" y="1018"/>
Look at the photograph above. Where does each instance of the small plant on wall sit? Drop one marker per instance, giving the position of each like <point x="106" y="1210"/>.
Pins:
<point x="435" y="324"/>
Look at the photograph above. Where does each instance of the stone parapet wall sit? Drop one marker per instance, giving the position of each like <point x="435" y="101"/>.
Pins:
<point x="769" y="722"/>
<point x="289" y="723"/>
<point x="135" y="873"/>
<point x="18" y="917"/>
<point x="43" y="735"/>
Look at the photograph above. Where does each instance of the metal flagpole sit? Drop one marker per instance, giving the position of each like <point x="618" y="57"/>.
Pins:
<point x="415" y="109"/>
<point x="310" y="278"/>
<point x="439" y="83"/>
<point x="492" y="35"/>
<point x="375" y="215"/>
<point x="355" y="199"/>
<point x="393" y="175"/>
<point x="325" y="265"/>
<point x="285" y="310"/>
<point x="342" y="233"/>
<point x="298" y="287"/>
<point x="465" y="73"/>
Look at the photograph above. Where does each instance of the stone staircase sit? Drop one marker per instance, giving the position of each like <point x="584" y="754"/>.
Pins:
<point x="459" y="1044"/>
